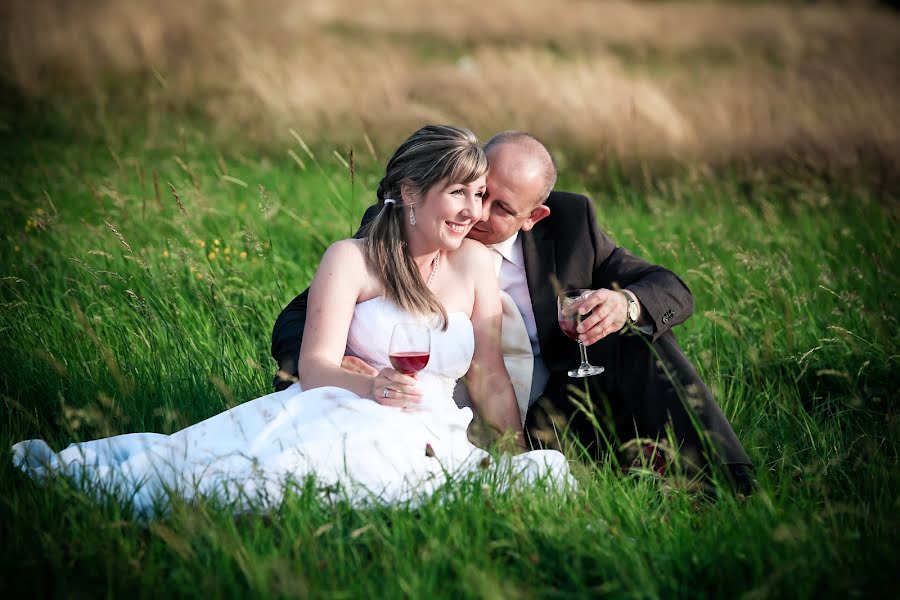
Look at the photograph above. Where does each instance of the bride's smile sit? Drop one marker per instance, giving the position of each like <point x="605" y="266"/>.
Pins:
<point x="456" y="227"/>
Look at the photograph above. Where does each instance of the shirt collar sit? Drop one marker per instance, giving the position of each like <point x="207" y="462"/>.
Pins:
<point x="510" y="250"/>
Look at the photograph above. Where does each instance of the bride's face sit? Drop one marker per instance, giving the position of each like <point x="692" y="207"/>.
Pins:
<point x="447" y="212"/>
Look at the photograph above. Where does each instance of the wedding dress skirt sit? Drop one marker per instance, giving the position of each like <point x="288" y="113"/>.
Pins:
<point x="371" y="453"/>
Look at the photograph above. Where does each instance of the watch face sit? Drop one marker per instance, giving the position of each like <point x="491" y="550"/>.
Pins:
<point x="632" y="311"/>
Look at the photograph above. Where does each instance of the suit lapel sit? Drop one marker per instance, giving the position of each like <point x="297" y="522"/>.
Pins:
<point x="540" y="267"/>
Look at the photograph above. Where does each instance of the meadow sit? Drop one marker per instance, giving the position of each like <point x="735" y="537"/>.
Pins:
<point x="160" y="212"/>
<point x="142" y="271"/>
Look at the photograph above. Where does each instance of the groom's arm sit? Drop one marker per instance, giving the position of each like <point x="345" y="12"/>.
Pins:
<point x="664" y="298"/>
<point x="287" y="335"/>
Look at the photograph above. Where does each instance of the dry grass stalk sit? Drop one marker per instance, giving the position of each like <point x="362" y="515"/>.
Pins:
<point x="672" y="80"/>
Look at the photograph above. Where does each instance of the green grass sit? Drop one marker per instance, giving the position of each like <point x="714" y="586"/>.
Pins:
<point x="122" y="311"/>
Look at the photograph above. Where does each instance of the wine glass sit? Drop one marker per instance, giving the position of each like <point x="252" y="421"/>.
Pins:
<point x="410" y="347"/>
<point x="567" y="312"/>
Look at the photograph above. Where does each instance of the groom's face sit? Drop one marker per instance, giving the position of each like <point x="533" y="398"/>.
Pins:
<point x="512" y="199"/>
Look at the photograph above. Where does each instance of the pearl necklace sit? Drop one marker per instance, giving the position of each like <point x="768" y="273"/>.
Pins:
<point x="435" y="264"/>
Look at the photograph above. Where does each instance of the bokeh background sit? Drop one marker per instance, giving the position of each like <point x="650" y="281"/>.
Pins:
<point x="683" y="81"/>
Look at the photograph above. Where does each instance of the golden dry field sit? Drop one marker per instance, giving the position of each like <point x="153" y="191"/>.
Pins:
<point x="687" y="81"/>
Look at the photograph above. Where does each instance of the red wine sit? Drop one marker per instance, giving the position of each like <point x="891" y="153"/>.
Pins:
<point x="410" y="362"/>
<point x="569" y="327"/>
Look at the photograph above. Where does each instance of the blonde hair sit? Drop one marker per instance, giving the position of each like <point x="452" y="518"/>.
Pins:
<point x="433" y="154"/>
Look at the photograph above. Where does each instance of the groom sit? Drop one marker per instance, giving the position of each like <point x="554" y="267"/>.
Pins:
<point x="549" y="240"/>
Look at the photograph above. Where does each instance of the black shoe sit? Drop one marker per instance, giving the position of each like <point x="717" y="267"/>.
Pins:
<point x="741" y="479"/>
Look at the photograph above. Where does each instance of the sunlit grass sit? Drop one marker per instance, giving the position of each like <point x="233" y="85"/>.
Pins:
<point x="143" y="265"/>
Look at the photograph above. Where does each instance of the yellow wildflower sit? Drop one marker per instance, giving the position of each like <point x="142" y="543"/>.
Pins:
<point x="211" y="256"/>
<point x="243" y="255"/>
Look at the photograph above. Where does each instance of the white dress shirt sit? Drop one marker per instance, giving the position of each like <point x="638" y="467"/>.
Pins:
<point x="512" y="280"/>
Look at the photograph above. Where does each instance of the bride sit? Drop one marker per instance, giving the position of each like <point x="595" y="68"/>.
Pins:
<point x="384" y="438"/>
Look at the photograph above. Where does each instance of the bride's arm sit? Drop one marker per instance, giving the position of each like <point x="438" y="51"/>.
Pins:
<point x="340" y="281"/>
<point x="489" y="384"/>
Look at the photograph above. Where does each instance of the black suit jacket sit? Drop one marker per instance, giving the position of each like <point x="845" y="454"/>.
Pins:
<point x="565" y="249"/>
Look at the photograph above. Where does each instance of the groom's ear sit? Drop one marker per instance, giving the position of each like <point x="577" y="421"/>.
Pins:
<point x="539" y="212"/>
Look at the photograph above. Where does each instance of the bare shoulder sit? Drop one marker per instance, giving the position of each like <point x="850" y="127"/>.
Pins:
<point x="349" y="252"/>
<point x="345" y="260"/>
<point x="473" y="270"/>
<point x="344" y="271"/>
<point x="472" y="259"/>
<point x="473" y="254"/>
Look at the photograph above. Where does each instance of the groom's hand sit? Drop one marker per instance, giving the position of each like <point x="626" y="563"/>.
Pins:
<point x="609" y="310"/>
<point x="357" y="365"/>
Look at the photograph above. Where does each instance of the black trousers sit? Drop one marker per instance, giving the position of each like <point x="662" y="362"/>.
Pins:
<point x="648" y="391"/>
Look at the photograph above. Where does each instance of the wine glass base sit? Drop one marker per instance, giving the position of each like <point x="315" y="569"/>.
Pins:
<point x="586" y="371"/>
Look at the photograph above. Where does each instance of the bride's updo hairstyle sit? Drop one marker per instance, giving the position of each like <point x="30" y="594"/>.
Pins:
<point x="430" y="155"/>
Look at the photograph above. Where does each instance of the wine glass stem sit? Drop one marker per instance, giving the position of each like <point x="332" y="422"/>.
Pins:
<point x="584" y="361"/>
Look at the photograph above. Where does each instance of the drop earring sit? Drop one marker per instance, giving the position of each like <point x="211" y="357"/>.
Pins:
<point x="412" y="215"/>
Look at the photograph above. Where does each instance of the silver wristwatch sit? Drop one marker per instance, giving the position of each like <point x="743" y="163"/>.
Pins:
<point x="633" y="309"/>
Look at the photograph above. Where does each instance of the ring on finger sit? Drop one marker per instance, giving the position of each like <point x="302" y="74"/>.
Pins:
<point x="386" y="391"/>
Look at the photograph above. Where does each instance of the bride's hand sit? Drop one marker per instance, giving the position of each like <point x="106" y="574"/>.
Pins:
<point x="392" y="388"/>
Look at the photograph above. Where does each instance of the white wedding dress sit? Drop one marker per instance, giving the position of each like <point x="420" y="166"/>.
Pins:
<point x="371" y="453"/>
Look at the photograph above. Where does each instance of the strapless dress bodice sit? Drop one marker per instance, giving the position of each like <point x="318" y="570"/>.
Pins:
<point x="369" y="338"/>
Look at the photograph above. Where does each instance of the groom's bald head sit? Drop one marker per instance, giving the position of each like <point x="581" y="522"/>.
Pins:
<point x="523" y="155"/>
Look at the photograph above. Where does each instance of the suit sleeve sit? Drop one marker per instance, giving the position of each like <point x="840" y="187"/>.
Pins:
<point x="287" y="335"/>
<point x="664" y="297"/>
